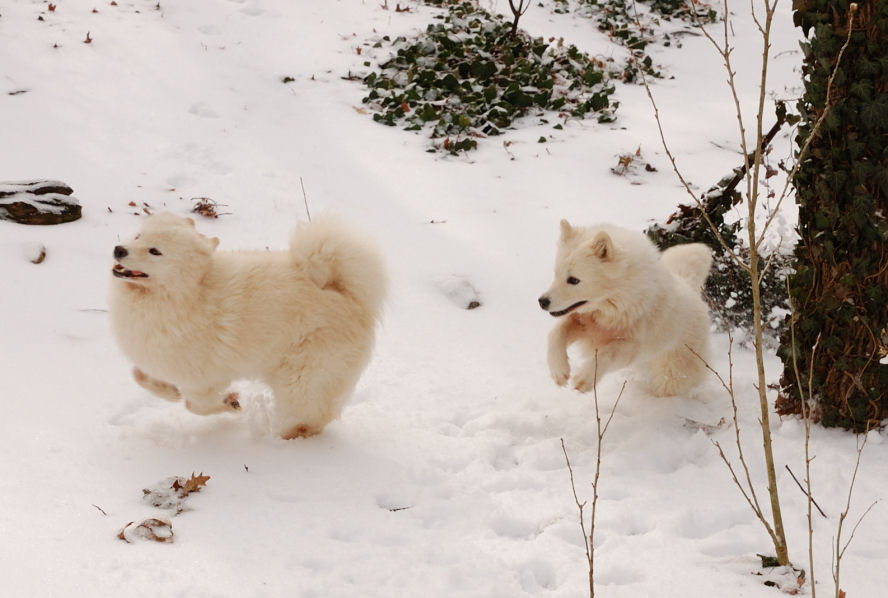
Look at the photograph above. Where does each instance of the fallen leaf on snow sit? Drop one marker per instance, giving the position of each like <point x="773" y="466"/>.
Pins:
<point x="155" y="530"/>
<point x="194" y="484"/>
<point x="172" y="492"/>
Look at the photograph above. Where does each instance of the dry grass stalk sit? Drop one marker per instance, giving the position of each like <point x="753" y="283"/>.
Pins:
<point x="589" y="538"/>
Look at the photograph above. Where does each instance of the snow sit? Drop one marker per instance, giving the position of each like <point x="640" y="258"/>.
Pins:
<point x="445" y="475"/>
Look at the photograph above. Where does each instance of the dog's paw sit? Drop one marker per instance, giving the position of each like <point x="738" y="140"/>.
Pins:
<point x="560" y="371"/>
<point x="210" y="404"/>
<point x="560" y="377"/>
<point x="300" y="431"/>
<point x="231" y="399"/>
<point x="583" y="384"/>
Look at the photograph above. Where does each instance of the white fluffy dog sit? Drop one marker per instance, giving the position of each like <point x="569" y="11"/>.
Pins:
<point x="627" y="304"/>
<point x="193" y="319"/>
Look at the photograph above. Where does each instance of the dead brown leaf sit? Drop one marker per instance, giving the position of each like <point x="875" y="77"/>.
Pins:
<point x="194" y="484"/>
<point x="207" y="207"/>
<point x="172" y="492"/>
<point x="155" y="530"/>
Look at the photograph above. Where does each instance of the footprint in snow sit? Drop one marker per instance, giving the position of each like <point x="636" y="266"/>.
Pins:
<point x="201" y="109"/>
<point x="459" y="290"/>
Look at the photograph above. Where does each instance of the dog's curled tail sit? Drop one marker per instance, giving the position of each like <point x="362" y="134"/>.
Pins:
<point x="337" y="257"/>
<point x="691" y="262"/>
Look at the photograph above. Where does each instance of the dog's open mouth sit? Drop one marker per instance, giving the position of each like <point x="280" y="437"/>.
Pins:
<point x="121" y="272"/>
<point x="567" y="310"/>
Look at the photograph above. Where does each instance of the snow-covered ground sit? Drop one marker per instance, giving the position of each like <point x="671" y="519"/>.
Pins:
<point x="445" y="475"/>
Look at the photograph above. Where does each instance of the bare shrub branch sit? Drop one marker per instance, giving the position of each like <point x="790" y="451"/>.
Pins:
<point x="589" y="538"/>
<point x="839" y="549"/>
<point x="752" y="266"/>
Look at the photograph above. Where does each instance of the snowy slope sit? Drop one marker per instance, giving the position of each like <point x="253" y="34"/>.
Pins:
<point x="445" y="475"/>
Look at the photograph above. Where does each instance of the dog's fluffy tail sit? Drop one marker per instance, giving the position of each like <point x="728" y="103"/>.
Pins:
<point x="690" y="262"/>
<point x="337" y="257"/>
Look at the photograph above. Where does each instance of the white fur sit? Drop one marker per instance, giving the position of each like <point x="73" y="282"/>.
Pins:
<point x="631" y="306"/>
<point x="302" y="320"/>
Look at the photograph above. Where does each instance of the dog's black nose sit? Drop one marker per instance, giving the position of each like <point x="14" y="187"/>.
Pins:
<point x="120" y="252"/>
<point x="544" y="302"/>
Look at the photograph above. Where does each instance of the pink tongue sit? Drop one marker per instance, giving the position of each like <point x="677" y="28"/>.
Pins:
<point x="118" y="267"/>
<point x="137" y="273"/>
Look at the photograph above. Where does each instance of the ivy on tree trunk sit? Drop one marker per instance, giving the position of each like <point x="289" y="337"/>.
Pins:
<point x="839" y="290"/>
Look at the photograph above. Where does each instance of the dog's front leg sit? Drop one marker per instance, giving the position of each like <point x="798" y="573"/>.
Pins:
<point x="604" y="359"/>
<point x="559" y="366"/>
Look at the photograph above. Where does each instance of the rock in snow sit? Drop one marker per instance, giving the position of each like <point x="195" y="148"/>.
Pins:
<point x="38" y="202"/>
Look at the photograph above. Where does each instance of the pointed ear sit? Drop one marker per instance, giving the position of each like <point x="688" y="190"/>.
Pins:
<point x="567" y="231"/>
<point x="214" y="241"/>
<point x="190" y="222"/>
<point x="602" y="246"/>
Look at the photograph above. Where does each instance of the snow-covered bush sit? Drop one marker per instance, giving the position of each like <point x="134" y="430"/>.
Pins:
<point x="466" y="78"/>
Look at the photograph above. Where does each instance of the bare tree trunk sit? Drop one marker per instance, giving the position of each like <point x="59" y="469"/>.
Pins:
<point x="517" y="12"/>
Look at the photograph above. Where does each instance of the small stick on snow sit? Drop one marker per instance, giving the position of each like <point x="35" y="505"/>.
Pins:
<point x="305" y="199"/>
<point x="805" y="492"/>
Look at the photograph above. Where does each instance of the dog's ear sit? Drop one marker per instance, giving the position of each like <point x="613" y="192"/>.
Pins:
<point x="190" y="222"/>
<point x="214" y="241"/>
<point x="567" y="231"/>
<point x="602" y="246"/>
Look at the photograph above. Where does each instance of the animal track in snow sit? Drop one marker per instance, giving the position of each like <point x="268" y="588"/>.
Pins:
<point x="537" y="574"/>
<point x="619" y="575"/>
<point x="201" y="109"/>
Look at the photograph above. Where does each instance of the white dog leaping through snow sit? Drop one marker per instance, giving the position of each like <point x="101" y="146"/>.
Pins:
<point x="622" y="299"/>
<point x="193" y="319"/>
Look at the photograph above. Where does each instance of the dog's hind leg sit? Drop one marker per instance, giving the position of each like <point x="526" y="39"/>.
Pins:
<point x="211" y="400"/>
<point x="159" y="388"/>
<point x="675" y="373"/>
<point x="612" y="356"/>
<point x="311" y="387"/>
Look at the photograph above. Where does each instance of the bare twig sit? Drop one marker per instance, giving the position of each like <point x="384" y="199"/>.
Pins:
<point x="517" y="12"/>
<point x="589" y="538"/>
<point x="805" y="492"/>
<point x="753" y="265"/>
<point x="806" y="417"/>
<point x="750" y="497"/>
<point x="580" y="505"/>
<point x="840" y="548"/>
<point x="748" y="491"/>
<point x="305" y="199"/>
<point x="684" y="182"/>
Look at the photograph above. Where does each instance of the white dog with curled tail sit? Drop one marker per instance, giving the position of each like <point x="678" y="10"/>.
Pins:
<point x="193" y="319"/>
<point x="621" y="299"/>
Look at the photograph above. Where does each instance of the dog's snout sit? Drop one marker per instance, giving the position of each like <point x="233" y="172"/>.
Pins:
<point x="120" y="252"/>
<point x="544" y="302"/>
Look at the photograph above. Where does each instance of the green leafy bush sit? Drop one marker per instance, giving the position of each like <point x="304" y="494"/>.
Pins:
<point x="466" y="78"/>
<point x="728" y="288"/>
<point x="622" y="21"/>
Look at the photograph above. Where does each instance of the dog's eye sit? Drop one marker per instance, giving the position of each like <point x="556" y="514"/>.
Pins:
<point x="156" y="251"/>
<point x="572" y="280"/>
